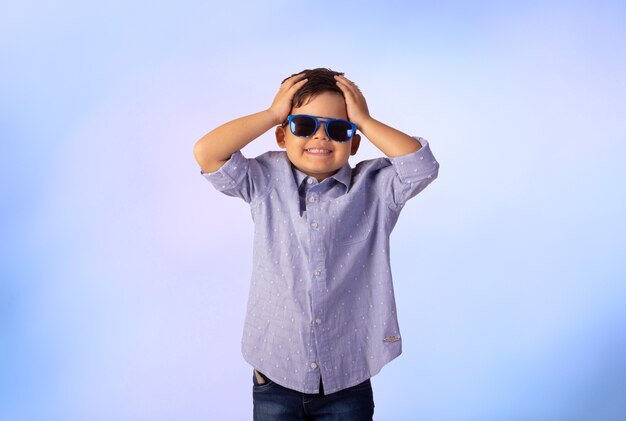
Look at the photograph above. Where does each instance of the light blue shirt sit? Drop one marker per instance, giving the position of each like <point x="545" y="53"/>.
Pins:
<point x="321" y="297"/>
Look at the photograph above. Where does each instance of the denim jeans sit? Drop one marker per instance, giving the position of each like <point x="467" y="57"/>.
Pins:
<point x="273" y="402"/>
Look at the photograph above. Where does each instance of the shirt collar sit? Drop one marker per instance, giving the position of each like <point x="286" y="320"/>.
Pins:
<point x="344" y="176"/>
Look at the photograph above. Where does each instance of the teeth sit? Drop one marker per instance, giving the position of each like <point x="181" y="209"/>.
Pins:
<point x="317" y="150"/>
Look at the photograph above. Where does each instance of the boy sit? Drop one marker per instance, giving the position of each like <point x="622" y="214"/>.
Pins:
<point x="321" y="318"/>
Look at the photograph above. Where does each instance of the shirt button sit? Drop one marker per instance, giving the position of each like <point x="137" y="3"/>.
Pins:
<point x="309" y="180"/>
<point x="311" y="199"/>
<point x="317" y="273"/>
<point x="313" y="366"/>
<point x="314" y="225"/>
<point x="318" y="321"/>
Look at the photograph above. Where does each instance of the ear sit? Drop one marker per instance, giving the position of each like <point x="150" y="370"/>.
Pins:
<point x="280" y="137"/>
<point x="356" y="141"/>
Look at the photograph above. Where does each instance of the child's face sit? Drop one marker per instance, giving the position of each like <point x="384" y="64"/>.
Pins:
<point x="317" y="155"/>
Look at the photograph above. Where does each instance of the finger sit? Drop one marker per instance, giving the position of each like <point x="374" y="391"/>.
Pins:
<point x="345" y="80"/>
<point x="346" y="89"/>
<point x="342" y="83"/>
<point x="290" y="88"/>
<point x="349" y="85"/>
<point x="297" y="85"/>
<point x="293" y="79"/>
<point x="301" y="81"/>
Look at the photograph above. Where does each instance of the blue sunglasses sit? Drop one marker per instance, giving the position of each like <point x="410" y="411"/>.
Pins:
<point x="303" y="125"/>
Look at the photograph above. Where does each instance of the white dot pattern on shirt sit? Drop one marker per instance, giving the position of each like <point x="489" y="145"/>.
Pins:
<point x="276" y="288"/>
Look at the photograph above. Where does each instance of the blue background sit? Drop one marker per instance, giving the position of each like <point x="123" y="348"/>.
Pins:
<point x="124" y="275"/>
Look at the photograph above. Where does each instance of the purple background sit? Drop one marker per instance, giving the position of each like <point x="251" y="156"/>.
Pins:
<point x="124" y="275"/>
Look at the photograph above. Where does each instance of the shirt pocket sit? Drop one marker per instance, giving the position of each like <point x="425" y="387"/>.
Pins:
<point x="350" y="219"/>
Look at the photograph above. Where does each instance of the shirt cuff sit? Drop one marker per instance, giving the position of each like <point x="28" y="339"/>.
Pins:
<point x="228" y="175"/>
<point x="416" y="166"/>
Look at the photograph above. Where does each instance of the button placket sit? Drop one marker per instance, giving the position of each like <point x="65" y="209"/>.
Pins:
<point x="317" y="221"/>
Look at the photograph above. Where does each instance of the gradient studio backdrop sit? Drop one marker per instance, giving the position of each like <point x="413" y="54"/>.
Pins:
<point x="124" y="275"/>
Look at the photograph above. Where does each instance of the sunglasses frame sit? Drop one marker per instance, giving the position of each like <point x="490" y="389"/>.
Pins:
<point x="318" y="120"/>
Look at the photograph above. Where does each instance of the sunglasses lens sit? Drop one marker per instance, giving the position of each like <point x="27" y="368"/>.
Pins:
<point x="302" y="126"/>
<point x="340" y="131"/>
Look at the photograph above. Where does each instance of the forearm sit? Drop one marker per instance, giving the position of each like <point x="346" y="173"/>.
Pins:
<point x="217" y="146"/>
<point x="390" y="141"/>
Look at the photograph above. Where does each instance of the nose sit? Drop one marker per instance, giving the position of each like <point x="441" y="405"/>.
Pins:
<point x="321" y="131"/>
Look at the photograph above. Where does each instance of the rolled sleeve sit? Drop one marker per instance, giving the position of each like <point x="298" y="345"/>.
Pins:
<point x="413" y="172"/>
<point x="231" y="179"/>
<point x="417" y="166"/>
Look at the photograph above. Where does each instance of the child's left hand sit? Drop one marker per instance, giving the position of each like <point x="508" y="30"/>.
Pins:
<point x="356" y="106"/>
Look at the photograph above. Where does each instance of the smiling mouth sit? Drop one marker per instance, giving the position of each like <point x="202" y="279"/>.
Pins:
<point x="318" y="151"/>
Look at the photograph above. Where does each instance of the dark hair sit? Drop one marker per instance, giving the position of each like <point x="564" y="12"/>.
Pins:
<point x="320" y="80"/>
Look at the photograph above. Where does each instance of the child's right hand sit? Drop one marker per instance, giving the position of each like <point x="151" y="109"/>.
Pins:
<point x="217" y="146"/>
<point x="281" y="107"/>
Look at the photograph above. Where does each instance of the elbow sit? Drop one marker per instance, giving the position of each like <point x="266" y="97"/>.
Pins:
<point x="198" y="150"/>
<point x="204" y="158"/>
<point x="201" y="156"/>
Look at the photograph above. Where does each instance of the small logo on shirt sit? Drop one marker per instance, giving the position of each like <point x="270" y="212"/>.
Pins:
<point x="394" y="338"/>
